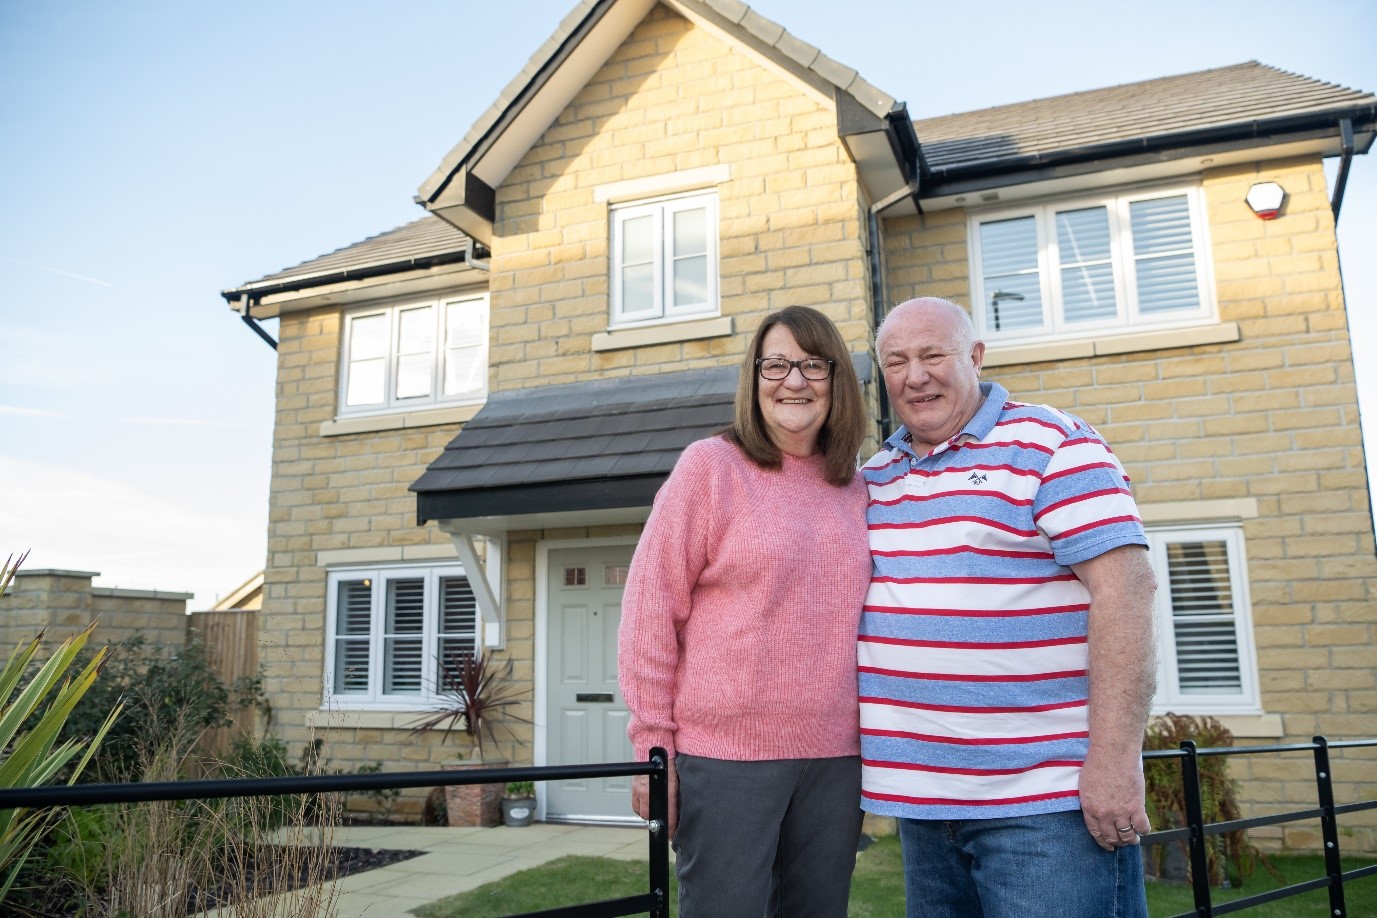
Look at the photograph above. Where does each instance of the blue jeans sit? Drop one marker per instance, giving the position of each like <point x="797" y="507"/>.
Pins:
<point x="1042" y="866"/>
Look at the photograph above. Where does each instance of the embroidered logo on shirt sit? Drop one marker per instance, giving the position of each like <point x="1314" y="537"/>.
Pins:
<point x="979" y="478"/>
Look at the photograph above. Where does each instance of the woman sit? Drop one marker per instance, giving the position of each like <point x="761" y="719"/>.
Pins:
<point x="737" y="650"/>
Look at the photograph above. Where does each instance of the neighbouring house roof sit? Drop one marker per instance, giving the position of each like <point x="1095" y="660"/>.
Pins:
<point x="248" y="596"/>
<point x="596" y="445"/>
<point x="424" y="242"/>
<point x="1249" y="104"/>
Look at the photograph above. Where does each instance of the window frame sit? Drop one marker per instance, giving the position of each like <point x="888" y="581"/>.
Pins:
<point x="663" y="207"/>
<point x="1128" y="317"/>
<point x="1169" y="697"/>
<point x="439" y="352"/>
<point x="375" y="698"/>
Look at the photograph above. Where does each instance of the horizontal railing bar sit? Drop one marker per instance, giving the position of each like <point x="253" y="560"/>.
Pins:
<point x="1354" y="807"/>
<point x="607" y="908"/>
<point x="1164" y="836"/>
<point x="1359" y="872"/>
<point x="1352" y="743"/>
<point x="1272" y="895"/>
<point x="1220" y="828"/>
<point x="143" y="792"/>
<point x="1245" y="750"/>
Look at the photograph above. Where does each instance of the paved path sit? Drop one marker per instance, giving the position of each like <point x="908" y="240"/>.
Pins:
<point x="461" y="859"/>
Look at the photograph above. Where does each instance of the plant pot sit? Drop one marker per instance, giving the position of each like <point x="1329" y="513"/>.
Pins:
<point x="518" y="811"/>
<point x="471" y="805"/>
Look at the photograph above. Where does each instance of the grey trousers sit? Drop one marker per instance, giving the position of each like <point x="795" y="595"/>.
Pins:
<point x="772" y="839"/>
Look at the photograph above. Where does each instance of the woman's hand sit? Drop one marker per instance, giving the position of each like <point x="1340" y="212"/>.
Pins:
<point x="640" y="797"/>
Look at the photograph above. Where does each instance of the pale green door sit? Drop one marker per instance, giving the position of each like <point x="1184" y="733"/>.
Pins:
<point x="585" y="710"/>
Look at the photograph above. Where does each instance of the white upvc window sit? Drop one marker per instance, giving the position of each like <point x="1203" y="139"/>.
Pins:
<point x="389" y="628"/>
<point x="1091" y="266"/>
<point x="664" y="259"/>
<point x="414" y="355"/>
<point x="1206" y="659"/>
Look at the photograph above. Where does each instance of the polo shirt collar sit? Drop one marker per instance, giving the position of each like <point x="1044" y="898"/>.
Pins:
<point x="977" y="428"/>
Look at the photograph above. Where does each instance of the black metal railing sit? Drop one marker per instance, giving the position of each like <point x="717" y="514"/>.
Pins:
<point x="1197" y="830"/>
<point x="654" y="902"/>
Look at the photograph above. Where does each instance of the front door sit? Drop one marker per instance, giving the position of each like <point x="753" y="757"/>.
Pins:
<point x="585" y="711"/>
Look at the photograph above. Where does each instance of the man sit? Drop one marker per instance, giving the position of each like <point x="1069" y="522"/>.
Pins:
<point x="1006" y="649"/>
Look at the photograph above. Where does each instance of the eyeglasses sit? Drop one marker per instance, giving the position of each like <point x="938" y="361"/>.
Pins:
<point x="814" y="368"/>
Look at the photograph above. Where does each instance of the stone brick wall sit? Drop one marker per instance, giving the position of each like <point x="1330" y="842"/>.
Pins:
<point x="62" y="603"/>
<point x="674" y="98"/>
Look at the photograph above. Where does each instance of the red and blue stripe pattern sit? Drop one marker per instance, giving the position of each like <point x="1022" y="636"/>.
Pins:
<point x="972" y="651"/>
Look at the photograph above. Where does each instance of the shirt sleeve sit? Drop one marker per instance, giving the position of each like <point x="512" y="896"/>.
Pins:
<point x="1083" y="505"/>
<point x="671" y="554"/>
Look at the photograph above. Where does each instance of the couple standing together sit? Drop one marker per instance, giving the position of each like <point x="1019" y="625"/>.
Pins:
<point x="971" y="612"/>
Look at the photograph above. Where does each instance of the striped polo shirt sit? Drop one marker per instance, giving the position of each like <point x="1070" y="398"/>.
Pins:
<point x="972" y="651"/>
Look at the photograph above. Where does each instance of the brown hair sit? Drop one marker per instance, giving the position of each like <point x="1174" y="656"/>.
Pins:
<point x="841" y="434"/>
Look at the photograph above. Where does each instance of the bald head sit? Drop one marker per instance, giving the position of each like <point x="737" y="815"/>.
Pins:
<point x="934" y="308"/>
<point x="931" y="363"/>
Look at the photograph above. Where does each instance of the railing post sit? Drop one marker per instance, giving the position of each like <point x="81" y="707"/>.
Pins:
<point x="659" y="832"/>
<point x="1329" y="827"/>
<point x="1195" y="820"/>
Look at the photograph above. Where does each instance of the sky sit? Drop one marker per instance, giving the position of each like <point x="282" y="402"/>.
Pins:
<point x="155" y="153"/>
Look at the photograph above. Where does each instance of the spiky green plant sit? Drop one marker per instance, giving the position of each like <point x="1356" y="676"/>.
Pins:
<point x="30" y="757"/>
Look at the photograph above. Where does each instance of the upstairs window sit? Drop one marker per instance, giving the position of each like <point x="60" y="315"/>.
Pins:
<point x="1204" y="623"/>
<point x="387" y="630"/>
<point x="415" y="355"/>
<point x="1075" y="268"/>
<point x="664" y="259"/>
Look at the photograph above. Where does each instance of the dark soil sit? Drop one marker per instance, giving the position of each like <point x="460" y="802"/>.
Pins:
<point x="62" y="899"/>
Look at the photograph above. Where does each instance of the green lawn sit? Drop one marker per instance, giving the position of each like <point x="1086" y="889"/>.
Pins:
<point x="877" y="889"/>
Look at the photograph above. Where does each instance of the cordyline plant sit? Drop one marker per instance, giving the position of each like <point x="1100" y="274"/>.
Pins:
<point x="32" y="757"/>
<point x="473" y="688"/>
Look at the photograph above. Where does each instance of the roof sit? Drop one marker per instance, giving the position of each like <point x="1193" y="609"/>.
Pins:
<point x="595" y="445"/>
<point x="756" y="29"/>
<point x="1249" y="99"/>
<point x="421" y="242"/>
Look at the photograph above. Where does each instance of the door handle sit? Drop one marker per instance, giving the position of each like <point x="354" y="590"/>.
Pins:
<point x="593" y="697"/>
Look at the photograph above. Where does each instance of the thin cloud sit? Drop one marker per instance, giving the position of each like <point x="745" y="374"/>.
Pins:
<point x="16" y="411"/>
<point x="59" y="272"/>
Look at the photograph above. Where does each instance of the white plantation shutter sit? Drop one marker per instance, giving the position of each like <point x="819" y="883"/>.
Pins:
<point x="1009" y="256"/>
<point x="1068" y="269"/>
<point x="1164" y="255"/>
<point x="353" y="621"/>
<point x="1087" y="267"/>
<point x="458" y="618"/>
<point x="1202" y="611"/>
<point x="387" y="629"/>
<point x="403" y="636"/>
<point x="1207" y="660"/>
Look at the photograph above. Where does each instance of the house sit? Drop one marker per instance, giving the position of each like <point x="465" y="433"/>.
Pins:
<point x="517" y="370"/>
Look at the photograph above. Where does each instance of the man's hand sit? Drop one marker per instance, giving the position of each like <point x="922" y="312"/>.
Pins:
<point x="640" y="797"/>
<point x="1112" y="801"/>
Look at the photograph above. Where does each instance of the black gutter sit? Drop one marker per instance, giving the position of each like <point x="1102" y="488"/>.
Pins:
<point x="252" y="296"/>
<point x="256" y="294"/>
<point x="1346" y="136"/>
<point x="936" y="178"/>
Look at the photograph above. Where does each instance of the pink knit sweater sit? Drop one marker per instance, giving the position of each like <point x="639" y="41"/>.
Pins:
<point x="738" y="633"/>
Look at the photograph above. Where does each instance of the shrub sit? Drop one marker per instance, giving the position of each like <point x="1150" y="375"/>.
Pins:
<point x="1229" y="857"/>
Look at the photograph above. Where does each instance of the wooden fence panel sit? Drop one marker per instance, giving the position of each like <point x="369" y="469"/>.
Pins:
<point x="231" y="642"/>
